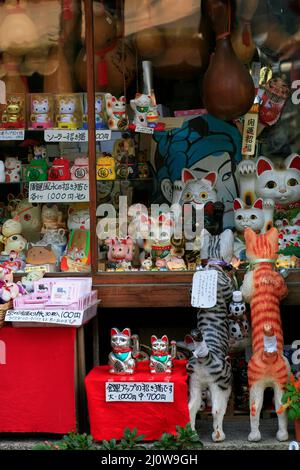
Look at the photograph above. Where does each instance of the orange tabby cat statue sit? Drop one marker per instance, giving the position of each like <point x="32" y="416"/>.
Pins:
<point x="263" y="288"/>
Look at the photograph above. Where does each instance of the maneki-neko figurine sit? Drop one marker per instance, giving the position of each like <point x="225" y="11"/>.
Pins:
<point x="125" y="349"/>
<point x="13" y="115"/>
<point x="120" y="253"/>
<point x="145" y="113"/>
<point x="68" y="111"/>
<point x="41" y="111"/>
<point x="161" y="360"/>
<point x="263" y="288"/>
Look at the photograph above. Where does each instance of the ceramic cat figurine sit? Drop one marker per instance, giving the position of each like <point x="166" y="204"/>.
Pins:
<point x="263" y="288"/>
<point x="209" y="366"/>
<point x="122" y="357"/>
<point x="263" y="179"/>
<point x="160" y="359"/>
<point x="78" y="219"/>
<point x="198" y="192"/>
<point x="255" y="217"/>
<point x="115" y="109"/>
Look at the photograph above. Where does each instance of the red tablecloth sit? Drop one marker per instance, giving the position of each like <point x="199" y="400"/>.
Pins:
<point x="109" y="419"/>
<point x="37" y="392"/>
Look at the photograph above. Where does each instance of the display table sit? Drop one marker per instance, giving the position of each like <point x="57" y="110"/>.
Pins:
<point x="37" y="380"/>
<point x="109" y="419"/>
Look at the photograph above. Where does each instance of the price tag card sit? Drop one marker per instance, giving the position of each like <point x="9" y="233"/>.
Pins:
<point x="204" y="290"/>
<point x="12" y="134"/>
<point x="57" y="317"/>
<point x="159" y="392"/>
<point x="58" y="191"/>
<point x="65" y="135"/>
<point x="103" y="135"/>
<point x="144" y="130"/>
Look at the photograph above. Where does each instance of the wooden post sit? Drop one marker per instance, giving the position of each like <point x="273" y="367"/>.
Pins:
<point x="89" y="41"/>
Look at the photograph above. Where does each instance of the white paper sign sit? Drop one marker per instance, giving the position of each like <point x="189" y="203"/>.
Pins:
<point x="160" y="392"/>
<point x="58" y="317"/>
<point x="12" y="134"/>
<point x="59" y="191"/>
<point x="204" y="290"/>
<point x="65" y="135"/>
<point x="144" y="130"/>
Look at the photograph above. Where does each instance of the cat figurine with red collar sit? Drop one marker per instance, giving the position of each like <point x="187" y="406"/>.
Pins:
<point x="122" y="357"/>
<point x="115" y="109"/>
<point x="161" y="359"/>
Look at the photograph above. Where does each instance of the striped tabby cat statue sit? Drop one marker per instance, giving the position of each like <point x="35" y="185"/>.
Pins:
<point x="263" y="288"/>
<point x="209" y="367"/>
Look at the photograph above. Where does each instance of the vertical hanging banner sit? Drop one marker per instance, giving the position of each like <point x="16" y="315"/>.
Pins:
<point x="250" y="131"/>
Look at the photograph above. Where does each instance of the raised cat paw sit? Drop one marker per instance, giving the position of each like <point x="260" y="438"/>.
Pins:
<point x="282" y="436"/>
<point x="247" y="167"/>
<point x="254" y="436"/>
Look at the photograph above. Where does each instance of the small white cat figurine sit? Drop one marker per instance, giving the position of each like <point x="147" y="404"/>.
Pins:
<point x="259" y="217"/>
<point x="198" y="192"/>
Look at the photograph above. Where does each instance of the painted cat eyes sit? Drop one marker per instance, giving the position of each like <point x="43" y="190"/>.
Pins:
<point x="292" y="182"/>
<point x="271" y="184"/>
<point x="188" y="196"/>
<point x="203" y="195"/>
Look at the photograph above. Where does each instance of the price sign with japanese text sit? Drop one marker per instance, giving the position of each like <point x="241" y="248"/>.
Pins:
<point x="204" y="290"/>
<point x="65" y="135"/>
<point x="59" y="191"/>
<point x="161" y="392"/>
<point x="12" y="134"/>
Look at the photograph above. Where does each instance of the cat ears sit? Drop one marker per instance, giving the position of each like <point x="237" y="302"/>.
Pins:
<point x="125" y="332"/>
<point x="239" y="204"/>
<point x="264" y="164"/>
<point x="188" y="175"/>
<point x="164" y="339"/>
<point x="293" y="161"/>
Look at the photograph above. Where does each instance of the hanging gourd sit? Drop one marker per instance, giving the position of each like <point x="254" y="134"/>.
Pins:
<point x="172" y="34"/>
<point x="241" y="39"/>
<point x="228" y="89"/>
<point x="114" y="60"/>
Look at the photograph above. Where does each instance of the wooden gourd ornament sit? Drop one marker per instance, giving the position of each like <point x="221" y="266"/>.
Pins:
<point x="228" y="89"/>
<point x="111" y="56"/>
<point x="178" y="50"/>
<point x="241" y="39"/>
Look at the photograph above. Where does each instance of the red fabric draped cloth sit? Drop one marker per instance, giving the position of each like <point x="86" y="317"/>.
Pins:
<point x="109" y="419"/>
<point x="37" y="392"/>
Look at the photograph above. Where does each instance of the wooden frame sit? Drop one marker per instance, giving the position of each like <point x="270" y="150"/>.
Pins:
<point x="154" y="289"/>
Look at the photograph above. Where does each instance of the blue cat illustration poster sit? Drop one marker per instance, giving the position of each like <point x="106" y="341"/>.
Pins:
<point x="202" y="144"/>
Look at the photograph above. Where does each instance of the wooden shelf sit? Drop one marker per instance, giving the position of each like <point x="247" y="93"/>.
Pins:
<point x="163" y="289"/>
<point x="158" y="289"/>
